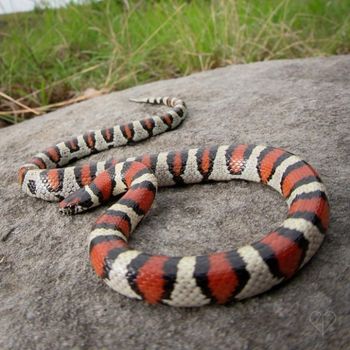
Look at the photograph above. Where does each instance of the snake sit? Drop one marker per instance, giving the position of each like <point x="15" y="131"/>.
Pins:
<point x="131" y="184"/>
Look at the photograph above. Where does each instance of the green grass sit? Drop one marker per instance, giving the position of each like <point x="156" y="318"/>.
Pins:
<point x="53" y="55"/>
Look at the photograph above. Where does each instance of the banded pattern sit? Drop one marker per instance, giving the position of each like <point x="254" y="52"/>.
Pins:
<point x="221" y="277"/>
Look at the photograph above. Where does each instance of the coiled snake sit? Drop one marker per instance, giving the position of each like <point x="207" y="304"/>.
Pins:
<point x="180" y="281"/>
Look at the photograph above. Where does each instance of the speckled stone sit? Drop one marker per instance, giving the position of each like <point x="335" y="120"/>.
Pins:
<point x="51" y="298"/>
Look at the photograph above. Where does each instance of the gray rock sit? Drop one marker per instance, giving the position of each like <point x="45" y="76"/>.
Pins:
<point x="51" y="298"/>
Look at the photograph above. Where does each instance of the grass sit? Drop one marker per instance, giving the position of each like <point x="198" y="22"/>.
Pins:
<point x="49" y="58"/>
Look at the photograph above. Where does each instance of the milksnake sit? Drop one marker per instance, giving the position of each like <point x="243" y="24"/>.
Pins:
<point x="220" y="277"/>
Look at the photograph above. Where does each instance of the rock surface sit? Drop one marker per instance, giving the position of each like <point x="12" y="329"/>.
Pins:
<point x="50" y="297"/>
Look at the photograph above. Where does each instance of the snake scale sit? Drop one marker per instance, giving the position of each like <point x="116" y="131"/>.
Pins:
<point x="221" y="277"/>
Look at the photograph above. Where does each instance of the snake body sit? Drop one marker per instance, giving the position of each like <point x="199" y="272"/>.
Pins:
<point x="221" y="277"/>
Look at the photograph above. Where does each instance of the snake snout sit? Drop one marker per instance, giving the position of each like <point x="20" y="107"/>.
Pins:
<point x="70" y="206"/>
<point x="76" y="202"/>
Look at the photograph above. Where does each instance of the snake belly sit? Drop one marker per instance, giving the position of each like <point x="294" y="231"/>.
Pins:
<point x="221" y="277"/>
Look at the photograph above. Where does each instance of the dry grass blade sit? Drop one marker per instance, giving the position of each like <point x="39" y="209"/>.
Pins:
<point x="26" y="108"/>
<point x="51" y="106"/>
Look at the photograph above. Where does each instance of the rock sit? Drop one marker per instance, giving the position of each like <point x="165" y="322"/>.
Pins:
<point x="51" y="298"/>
